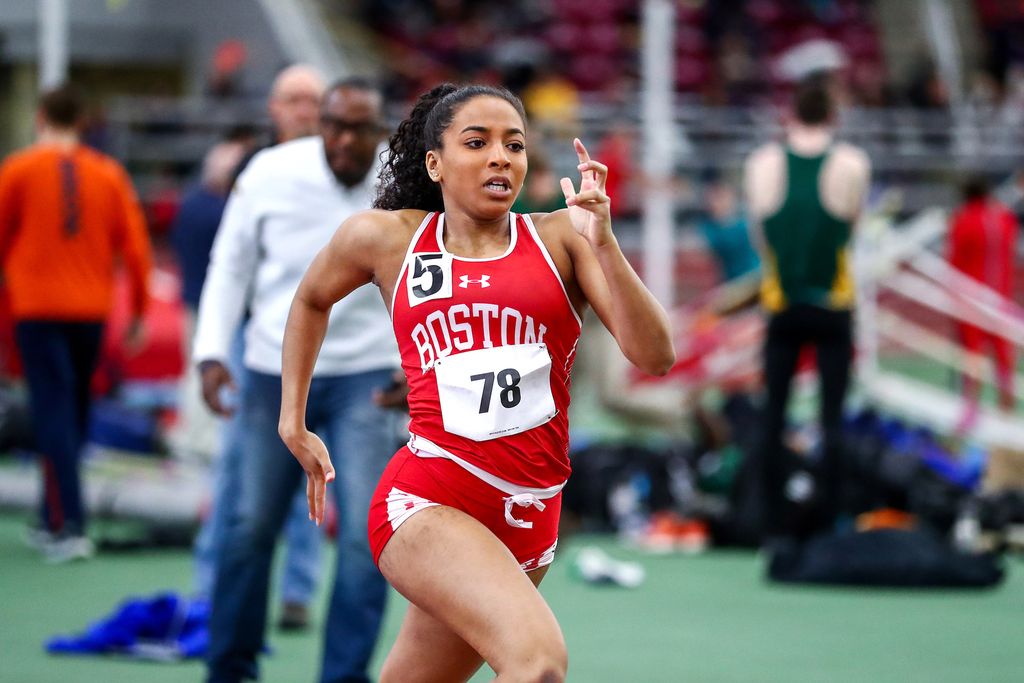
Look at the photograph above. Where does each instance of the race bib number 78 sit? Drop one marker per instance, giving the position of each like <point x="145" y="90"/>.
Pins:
<point x="490" y="393"/>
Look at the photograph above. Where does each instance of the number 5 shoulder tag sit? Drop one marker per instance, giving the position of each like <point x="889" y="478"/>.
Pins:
<point x="430" y="277"/>
<point x="489" y="393"/>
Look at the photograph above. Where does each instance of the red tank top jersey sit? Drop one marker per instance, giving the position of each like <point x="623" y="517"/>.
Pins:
<point x="464" y="304"/>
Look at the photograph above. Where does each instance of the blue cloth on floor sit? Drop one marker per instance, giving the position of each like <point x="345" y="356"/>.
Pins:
<point x="165" y="627"/>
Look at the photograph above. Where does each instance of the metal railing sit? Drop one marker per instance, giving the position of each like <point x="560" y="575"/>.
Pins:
<point x="898" y="138"/>
<point x="918" y="151"/>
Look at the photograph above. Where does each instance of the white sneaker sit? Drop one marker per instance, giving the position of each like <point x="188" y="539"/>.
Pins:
<point x="39" y="538"/>
<point x="69" y="549"/>
<point x="593" y="565"/>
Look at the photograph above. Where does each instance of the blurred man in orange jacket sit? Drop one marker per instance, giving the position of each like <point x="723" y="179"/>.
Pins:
<point x="67" y="213"/>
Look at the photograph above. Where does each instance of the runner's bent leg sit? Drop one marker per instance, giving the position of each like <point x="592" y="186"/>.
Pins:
<point x="456" y="571"/>
<point x="427" y="651"/>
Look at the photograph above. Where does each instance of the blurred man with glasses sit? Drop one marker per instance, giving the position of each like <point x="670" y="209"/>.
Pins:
<point x="285" y="207"/>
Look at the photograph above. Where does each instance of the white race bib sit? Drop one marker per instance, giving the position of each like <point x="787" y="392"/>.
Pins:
<point x="489" y="393"/>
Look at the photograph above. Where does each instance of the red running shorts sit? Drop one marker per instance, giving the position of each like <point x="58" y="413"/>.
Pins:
<point x="411" y="483"/>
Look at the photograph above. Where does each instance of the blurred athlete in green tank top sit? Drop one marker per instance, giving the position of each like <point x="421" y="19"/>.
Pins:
<point x="805" y="196"/>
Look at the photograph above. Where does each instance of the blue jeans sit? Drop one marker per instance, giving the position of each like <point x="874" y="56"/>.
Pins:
<point x="360" y="438"/>
<point x="304" y="542"/>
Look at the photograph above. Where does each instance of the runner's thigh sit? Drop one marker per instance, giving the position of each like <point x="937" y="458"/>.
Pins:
<point x="427" y="651"/>
<point x="457" y="572"/>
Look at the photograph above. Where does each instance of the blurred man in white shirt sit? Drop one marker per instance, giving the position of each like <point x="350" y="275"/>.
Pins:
<point x="294" y="108"/>
<point x="285" y="207"/>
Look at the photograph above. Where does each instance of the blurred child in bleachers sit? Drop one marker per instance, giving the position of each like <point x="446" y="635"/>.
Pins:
<point x="726" y="231"/>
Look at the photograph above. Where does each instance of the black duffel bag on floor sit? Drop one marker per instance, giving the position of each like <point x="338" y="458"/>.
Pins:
<point x="885" y="557"/>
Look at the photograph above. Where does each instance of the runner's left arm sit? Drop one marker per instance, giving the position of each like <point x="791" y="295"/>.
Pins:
<point x="607" y="280"/>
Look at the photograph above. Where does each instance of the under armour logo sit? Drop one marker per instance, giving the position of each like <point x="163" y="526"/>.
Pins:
<point x="465" y="281"/>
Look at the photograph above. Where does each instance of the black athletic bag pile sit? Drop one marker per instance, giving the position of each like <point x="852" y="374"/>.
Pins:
<point x="896" y="558"/>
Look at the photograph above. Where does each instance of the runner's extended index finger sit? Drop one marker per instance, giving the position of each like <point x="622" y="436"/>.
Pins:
<point x="581" y="151"/>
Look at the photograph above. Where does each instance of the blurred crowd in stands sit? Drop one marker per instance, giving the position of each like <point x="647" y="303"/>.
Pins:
<point x="722" y="48"/>
<point x="576" y="64"/>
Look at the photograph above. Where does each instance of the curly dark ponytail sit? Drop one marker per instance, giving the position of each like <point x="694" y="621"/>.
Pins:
<point x="404" y="183"/>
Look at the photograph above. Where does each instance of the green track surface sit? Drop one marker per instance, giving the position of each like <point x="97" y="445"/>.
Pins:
<point x="704" y="618"/>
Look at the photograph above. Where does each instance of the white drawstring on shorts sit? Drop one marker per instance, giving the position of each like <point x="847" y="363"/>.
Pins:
<point x="524" y="500"/>
<point x="517" y="495"/>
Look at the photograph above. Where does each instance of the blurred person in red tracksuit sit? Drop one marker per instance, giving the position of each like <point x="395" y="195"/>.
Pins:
<point x="982" y="245"/>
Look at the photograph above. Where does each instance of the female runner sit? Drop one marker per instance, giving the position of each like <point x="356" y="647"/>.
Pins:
<point x="486" y="307"/>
